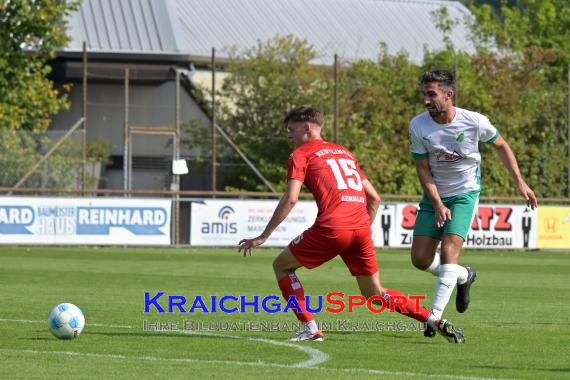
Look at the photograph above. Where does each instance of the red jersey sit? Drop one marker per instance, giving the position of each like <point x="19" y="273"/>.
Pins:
<point x="333" y="176"/>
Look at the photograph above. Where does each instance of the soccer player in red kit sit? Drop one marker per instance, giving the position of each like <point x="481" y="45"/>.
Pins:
<point x="347" y="204"/>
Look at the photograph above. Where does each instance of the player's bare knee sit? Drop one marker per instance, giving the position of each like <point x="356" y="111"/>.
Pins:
<point x="281" y="268"/>
<point x="422" y="262"/>
<point x="277" y="265"/>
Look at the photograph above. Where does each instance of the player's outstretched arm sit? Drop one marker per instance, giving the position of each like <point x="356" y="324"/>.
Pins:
<point x="372" y="200"/>
<point x="441" y="213"/>
<point x="509" y="160"/>
<point x="286" y="204"/>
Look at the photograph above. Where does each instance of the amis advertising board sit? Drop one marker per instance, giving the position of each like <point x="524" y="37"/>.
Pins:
<point x="224" y="222"/>
<point x="32" y="220"/>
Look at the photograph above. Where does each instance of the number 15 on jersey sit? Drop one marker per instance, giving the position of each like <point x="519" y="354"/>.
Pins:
<point x="348" y="177"/>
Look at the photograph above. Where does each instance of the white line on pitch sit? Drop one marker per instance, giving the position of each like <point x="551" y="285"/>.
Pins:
<point x="239" y="363"/>
<point x="317" y="357"/>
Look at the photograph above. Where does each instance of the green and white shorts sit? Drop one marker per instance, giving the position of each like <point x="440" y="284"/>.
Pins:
<point x="462" y="206"/>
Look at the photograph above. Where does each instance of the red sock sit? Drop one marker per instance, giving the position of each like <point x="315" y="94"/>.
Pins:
<point x="409" y="308"/>
<point x="291" y="286"/>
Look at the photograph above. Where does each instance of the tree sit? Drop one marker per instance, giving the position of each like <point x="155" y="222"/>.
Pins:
<point x="265" y="82"/>
<point x="542" y="25"/>
<point x="377" y="101"/>
<point x="519" y="84"/>
<point x="523" y="56"/>
<point x="494" y="4"/>
<point x="30" y="32"/>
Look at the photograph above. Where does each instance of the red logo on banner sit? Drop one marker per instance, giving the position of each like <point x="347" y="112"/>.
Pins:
<point x="487" y="215"/>
<point x="409" y="214"/>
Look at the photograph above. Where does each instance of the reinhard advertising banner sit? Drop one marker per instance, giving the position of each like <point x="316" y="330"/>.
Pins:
<point x="97" y="221"/>
<point x="553" y="227"/>
<point x="493" y="226"/>
<point x="225" y="222"/>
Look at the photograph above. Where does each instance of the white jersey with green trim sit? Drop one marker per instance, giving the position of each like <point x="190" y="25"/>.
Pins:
<point x="452" y="149"/>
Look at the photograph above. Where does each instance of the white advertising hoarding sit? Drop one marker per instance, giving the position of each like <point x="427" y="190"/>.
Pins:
<point x="224" y="222"/>
<point x="494" y="226"/>
<point x="97" y="221"/>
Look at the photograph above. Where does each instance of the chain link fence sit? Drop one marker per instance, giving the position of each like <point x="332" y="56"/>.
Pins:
<point x="22" y="153"/>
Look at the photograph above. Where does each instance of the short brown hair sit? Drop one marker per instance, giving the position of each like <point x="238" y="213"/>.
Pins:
<point x="443" y="77"/>
<point x="305" y="113"/>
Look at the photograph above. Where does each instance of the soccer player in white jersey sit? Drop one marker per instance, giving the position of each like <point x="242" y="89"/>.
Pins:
<point x="444" y="142"/>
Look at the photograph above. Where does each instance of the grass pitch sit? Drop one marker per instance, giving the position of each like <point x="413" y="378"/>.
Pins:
<point x="517" y="325"/>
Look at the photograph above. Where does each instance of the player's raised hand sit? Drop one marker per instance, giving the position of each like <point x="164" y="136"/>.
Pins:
<point x="442" y="214"/>
<point x="528" y="194"/>
<point x="248" y="244"/>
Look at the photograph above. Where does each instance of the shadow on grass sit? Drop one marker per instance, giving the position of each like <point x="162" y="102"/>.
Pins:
<point x="534" y="323"/>
<point x="162" y="334"/>
<point x="496" y="367"/>
<point x="378" y="334"/>
<point x="403" y="337"/>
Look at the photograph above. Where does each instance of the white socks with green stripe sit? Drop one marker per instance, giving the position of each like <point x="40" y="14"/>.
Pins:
<point x="434" y="269"/>
<point x="449" y="275"/>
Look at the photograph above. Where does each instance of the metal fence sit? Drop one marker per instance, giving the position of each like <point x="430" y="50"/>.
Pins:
<point x="45" y="160"/>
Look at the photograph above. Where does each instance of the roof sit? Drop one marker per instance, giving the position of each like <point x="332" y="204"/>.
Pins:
<point x="353" y="29"/>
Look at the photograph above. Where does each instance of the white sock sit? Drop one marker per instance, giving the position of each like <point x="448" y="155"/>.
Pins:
<point x="444" y="287"/>
<point x="462" y="275"/>
<point x="311" y="326"/>
<point x="434" y="267"/>
<point x="432" y="321"/>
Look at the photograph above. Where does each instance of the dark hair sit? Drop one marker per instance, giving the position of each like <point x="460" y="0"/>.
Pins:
<point x="305" y="113"/>
<point x="443" y="77"/>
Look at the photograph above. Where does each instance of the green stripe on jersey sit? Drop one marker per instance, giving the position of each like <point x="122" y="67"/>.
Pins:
<point x="420" y="156"/>
<point x="493" y="138"/>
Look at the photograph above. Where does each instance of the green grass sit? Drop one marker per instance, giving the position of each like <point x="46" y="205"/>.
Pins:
<point x="517" y="325"/>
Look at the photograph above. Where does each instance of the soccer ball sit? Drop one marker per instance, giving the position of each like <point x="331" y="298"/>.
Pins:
<point x="66" y="321"/>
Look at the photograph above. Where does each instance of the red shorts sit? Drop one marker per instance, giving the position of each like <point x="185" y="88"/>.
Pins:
<point x="316" y="246"/>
